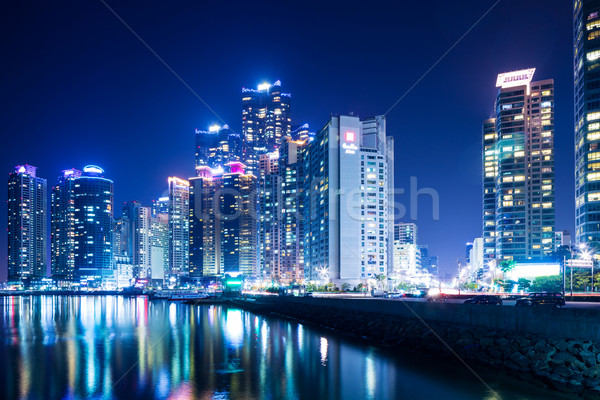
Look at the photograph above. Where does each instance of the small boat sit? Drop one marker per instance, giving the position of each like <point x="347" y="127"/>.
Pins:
<point x="187" y="296"/>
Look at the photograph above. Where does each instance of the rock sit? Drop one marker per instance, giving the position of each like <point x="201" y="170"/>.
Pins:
<point x="588" y="358"/>
<point x="486" y="341"/>
<point x="593" y="373"/>
<point x="519" y="359"/>
<point x="561" y="345"/>
<point x="567" y="359"/>
<point x="545" y="349"/>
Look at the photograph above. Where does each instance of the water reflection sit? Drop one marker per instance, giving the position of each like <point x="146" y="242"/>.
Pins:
<point x="56" y="347"/>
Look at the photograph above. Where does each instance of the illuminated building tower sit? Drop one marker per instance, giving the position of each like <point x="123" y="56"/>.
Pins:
<point x="291" y="221"/>
<point x="62" y="227"/>
<point x="524" y="167"/>
<point x="93" y="226"/>
<point x="138" y="237"/>
<point x="301" y="133"/>
<point x="160" y="206"/>
<point x="27" y="236"/>
<point x="179" y="192"/>
<point x="347" y="184"/>
<point x="217" y="146"/>
<point x="490" y="174"/>
<point x="269" y="191"/>
<point x="405" y="232"/>
<point x="586" y="63"/>
<point x="238" y="226"/>
<point x="159" y="247"/>
<point x="205" y="246"/>
<point x="265" y="121"/>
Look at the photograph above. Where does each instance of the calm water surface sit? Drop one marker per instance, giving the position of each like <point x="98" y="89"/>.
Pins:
<point x="110" y="347"/>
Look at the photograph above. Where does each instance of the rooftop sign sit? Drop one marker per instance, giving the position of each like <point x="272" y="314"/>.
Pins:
<point x="515" y="78"/>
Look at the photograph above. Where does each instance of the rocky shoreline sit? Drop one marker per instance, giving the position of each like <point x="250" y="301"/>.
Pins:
<point x="566" y="365"/>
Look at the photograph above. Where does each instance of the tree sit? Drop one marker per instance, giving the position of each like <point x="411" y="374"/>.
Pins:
<point x="551" y="283"/>
<point x="508" y="265"/>
<point x="345" y="287"/>
<point x="380" y="281"/>
<point x="524" y="284"/>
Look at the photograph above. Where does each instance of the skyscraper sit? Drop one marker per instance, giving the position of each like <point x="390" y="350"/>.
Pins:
<point x="405" y="232"/>
<point x="238" y="226"/>
<point x="179" y="192"/>
<point x="347" y="188"/>
<point x="138" y="237"/>
<point x="265" y="121"/>
<point x="586" y="63"/>
<point x="93" y="226"/>
<point x="269" y="203"/>
<point x="63" y="227"/>
<point x="205" y="243"/>
<point x="27" y="236"/>
<point x="217" y="147"/>
<point x="490" y="174"/>
<point x="523" y="168"/>
<point x="291" y="221"/>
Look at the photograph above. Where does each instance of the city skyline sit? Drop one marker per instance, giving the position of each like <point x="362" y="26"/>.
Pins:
<point x="407" y="164"/>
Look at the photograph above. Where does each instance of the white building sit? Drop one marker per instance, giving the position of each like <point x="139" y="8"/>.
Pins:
<point x="347" y="228"/>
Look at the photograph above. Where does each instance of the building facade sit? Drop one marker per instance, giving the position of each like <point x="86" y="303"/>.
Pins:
<point x="217" y="146"/>
<point x="179" y="202"/>
<point x="27" y="226"/>
<point x="93" y="227"/>
<point x="405" y="233"/>
<point x="347" y="226"/>
<point x="522" y="168"/>
<point x="586" y="63"/>
<point x="265" y="122"/>
<point x="139" y="224"/>
<point x="269" y="216"/>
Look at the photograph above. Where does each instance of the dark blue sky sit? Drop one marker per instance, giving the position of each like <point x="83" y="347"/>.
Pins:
<point x="78" y="88"/>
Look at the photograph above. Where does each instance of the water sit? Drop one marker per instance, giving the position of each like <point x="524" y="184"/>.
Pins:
<point x="110" y="347"/>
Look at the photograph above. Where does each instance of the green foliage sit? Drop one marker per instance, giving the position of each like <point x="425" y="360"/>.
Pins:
<point x="406" y="286"/>
<point x="507" y="265"/>
<point x="360" y="288"/>
<point x="469" y="285"/>
<point x="551" y="283"/>
<point x="345" y="287"/>
<point x="524" y="284"/>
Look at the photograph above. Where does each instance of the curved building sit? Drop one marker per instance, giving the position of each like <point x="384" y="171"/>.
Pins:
<point x="92" y="228"/>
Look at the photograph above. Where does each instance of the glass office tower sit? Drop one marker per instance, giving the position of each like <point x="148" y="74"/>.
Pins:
<point x="27" y="214"/>
<point x="586" y="63"/>
<point x="523" y="169"/>
<point x="265" y="122"/>
<point x="93" y="226"/>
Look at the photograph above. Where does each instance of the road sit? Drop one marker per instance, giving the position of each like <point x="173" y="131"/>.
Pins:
<point x="507" y="303"/>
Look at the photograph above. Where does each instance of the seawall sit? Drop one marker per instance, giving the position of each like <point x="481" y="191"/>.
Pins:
<point x="555" y="348"/>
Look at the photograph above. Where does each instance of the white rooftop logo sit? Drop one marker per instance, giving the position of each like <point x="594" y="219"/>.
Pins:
<point x="515" y="78"/>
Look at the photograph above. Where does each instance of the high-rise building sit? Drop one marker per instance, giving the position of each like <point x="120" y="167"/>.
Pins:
<point x="138" y="237"/>
<point x="238" y="225"/>
<point x="63" y="227"/>
<point x="265" y="121"/>
<point x="159" y="247"/>
<point x="347" y="223"/>
<point x="407" y="262"/>
<point x="405" y="233"/>
<point x="586" y="63"/>
<point x="476" y="252"/>
<point x="490" y="173"/>
<point x="27" y="233"/>
<point x="223" y="226"/>
<point x="217" y="146"/>
<point x="291" y="222"/>
<point x="523" y="168"/>
<point x="160" y="206"/>
<point x="93" y="226"/>
<point x="269" y="212"/>
<point x="205" y="244"/>
<point x="179" y="202"/>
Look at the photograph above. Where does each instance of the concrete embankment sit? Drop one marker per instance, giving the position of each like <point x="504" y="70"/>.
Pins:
<point x="556" y="348"/>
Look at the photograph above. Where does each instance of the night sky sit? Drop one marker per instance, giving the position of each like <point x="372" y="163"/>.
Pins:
<point x="79" y="88"/>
